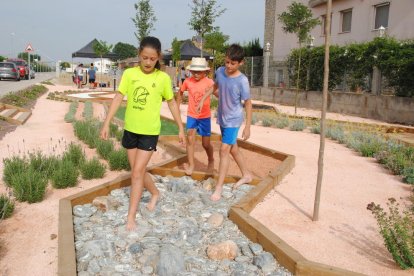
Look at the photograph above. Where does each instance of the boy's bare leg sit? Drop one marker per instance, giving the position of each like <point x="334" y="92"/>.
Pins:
<point x="246" y="175"/>
<point x="223" y="168"/>
<point x="208" y="147"/>
<point x="138" y="160"/>
<point x="190" y="151"/>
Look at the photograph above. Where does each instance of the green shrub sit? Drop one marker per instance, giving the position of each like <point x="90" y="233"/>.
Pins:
<point x="118" y="160"/>
<point x="316" y="129"/>
<point x="41" y="163"/>
<point x="267" y="121"/>
<point x="397" y="231"/>
<point x="297" y="125"/>
<point x="104" y="148"/>
<point x="29" y="185"/>
<point x="70" y="116"/>
<point x="408" y="175"/>
<point x="75" y="154"/>
<point x="6" y="207"/>
<point x="87" y="110"/>
<point x="87" y="131"/>
<point x="92" y="169"/>
<point x="336" y="133"/>
<point x="13" y="166"/>
<point x="282" y="122"/>
<point x="66" y="175"/>
<point x="113" y="129"/>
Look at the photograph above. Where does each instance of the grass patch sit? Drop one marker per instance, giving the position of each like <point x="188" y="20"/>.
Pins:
<point x="75" y="154"/>
<point x="14" y="165"/>
<point x="6" y="207"/>
<point x="118" y="160"/>
<point x="70" y="116"/>
<point x="104" y="148"/>
<point x="66" y="175"/>
<point x="91" y="169"/>
<point x="29" y="185"/>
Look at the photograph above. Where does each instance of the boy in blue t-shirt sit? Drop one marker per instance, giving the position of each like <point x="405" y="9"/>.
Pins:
<point x="233" y="88"/>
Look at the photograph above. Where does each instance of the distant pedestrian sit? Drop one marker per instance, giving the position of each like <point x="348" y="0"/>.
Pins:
<point x="182" y="75"/>
<point x="92" y="76"/>
<point x="79" y="75"/>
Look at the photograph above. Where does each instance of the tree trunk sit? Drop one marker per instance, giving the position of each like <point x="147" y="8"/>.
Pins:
<point x="298" y="77"/>
<point x="323" y="115"/>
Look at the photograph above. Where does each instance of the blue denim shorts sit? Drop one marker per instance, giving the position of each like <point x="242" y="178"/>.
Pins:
<point x="229" y="135"/>
<point x="203" y="126"/>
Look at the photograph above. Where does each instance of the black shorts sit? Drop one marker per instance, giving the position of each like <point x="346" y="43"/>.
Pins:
<point x="132" y="140"/>
<point x="91" y="80"/>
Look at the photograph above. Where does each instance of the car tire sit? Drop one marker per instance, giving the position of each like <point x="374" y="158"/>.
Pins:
<point x="26" y="77"/>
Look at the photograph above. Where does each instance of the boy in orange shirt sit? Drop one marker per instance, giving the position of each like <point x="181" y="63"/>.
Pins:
<point x="197" y="85"/>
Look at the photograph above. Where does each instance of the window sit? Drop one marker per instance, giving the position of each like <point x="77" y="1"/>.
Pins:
<point x="324" y="23"/>
<point x="346" y="21"/>
<point x="381" y="15"/>
<point x="279" y="77"/>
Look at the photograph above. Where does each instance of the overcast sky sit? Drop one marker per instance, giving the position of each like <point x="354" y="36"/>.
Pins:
<point x="57" y="28"/>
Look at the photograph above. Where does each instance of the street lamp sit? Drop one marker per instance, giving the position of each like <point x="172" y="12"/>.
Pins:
<point x="266" y="65"/>
<point x="309" y="46"/>
<point x="381" y="31"/>
<point x="267" y="49"/>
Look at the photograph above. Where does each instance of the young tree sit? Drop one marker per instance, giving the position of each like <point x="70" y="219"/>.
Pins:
<point x="298" y="20"/>
<point x="124" y="50"/>
<point x="144" y="19"/>
<point x="323" y="113"/>
<point x="176" y="50"/>
<point x="216" y="41"/>
<point x="101" y="48"/>
<point x="203" y="16"/>
<point x="2" y="58"/>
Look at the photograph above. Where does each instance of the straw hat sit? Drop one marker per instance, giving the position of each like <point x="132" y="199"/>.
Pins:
<point x="198" y="64"/>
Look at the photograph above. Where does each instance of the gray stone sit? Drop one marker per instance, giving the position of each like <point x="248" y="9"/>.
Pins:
<point x="147" y="270"/>
<point x="135" y="248"/>
<point x="263" y="259"/>
<point x="256" y="248"/>
<point x="84" y="210"/>
<point x="171" y="261"/>
<point x="93" y="267"/>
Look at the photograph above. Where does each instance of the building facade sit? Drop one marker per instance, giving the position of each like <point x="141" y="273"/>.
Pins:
<point x="352" y="21"/>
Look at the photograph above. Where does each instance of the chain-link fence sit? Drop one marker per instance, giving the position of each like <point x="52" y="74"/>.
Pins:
<point x="253" y="69"/>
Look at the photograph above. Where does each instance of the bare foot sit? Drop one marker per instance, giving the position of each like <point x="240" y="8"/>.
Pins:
<point x="217" y="194"/>
<point x="188" y="169"/>
<point x="210" y="167"/>
<point x="131" y="225"/>
<point x="153" y="202"/>
<point x="244" y="180"/>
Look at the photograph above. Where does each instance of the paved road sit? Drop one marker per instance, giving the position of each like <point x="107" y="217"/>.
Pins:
<point x="7" y="86"/>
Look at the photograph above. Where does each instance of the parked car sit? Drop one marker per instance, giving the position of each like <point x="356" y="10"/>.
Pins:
<point x="9" y="70"/>
<point x="22" y="65"/>
<point x="32" y="73"/>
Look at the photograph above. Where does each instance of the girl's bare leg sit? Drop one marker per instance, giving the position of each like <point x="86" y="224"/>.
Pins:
<point x="138" y="160"/>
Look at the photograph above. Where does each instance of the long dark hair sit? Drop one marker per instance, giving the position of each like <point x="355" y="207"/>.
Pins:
<point x="154" y="43"/>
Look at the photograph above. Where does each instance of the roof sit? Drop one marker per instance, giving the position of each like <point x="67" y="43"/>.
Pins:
<point x="188" y="50"/>
<point x="88" y="52"/>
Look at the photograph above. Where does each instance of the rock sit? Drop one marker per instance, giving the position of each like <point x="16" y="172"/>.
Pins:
<point x="216" y="219"/>
<point x="264" y="259"/>
<point x="104" y="203"/>
<point x="209" y="184"/>
<point x="223" y="250"/>
<point x="171" y="261"/>
<point x="135" y="248"/>
<point x="53" y="236"/>
<point x="256" y="248"/>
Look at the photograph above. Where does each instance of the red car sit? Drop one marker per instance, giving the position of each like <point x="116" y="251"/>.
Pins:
<point x="22" y="66"/>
